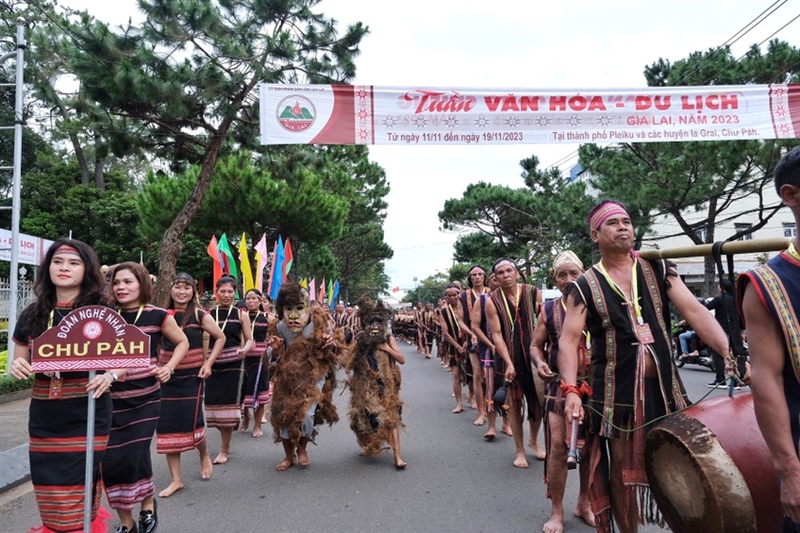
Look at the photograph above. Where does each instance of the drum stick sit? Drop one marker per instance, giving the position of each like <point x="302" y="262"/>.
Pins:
<point x="572" y="456"/>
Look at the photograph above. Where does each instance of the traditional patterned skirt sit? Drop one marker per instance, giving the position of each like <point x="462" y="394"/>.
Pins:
<point x="57" y="453"/>
<point x="127" y="465"/>
<point x="181" y="426"/>
<point x="223" y="392"/>
<point x="256" y="382"/>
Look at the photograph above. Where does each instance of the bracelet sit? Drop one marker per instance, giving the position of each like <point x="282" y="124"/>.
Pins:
<point x="575" y="389"/>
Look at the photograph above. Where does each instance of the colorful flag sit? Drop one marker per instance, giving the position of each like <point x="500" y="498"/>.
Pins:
<point x="276" y="280"/>
<point x="213" y="251"/>
<point x="230" y="263"/>
<point x="244" y="261"/>
<point x="396" y="289"/>
<point x="334" y="293"/>
<point x="288" y="258"/>
<point x="271" y="268"/>
<point x="261" y="261"/>
<point x="312" y="289"/>
<point x="330" y="291"/>
<point x="304" y="283"/>
<point x="321" y="296"/>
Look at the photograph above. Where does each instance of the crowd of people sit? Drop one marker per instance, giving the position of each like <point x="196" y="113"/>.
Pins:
<point x="594" y="367"/>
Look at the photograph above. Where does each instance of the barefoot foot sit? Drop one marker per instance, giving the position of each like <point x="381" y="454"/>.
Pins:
<point x="554" y="525"/>
<point x="171" y="489"/>
<point x="458" y="409"/>
<point x="399" y="463"/>
<point x="507" y="431"/>
<point x="490" y="435"/>
<point x="538" y="451"/>
<point x="585" y="513"/>
<point x="520" y="461"/>
<point x="257" y="433"/>
<point x="302" y="457"/>
<point x="206" y="467"/>
<point x="481" y="420"/>
<point x="221" y="458"/>
<point x="284" y="465"/>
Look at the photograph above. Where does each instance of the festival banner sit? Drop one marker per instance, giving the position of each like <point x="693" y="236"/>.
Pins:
<point x="364" y="114"/>
<point x="90" y="338"/>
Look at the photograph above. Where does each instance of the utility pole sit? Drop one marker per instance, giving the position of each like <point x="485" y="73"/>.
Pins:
<point x="17" y="179"/>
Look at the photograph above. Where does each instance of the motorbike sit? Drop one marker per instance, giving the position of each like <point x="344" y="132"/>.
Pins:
<point x="702" y="357"/>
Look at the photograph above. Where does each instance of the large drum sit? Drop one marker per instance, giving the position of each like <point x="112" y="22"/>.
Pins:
<point x="710" y="471"/>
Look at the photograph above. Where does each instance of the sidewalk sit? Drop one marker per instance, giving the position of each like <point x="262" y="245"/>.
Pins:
<point x="14" y="467"/>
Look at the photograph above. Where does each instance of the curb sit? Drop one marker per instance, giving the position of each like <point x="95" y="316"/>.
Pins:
<point x="14" y="396"/>
<point x="16" y="468"/>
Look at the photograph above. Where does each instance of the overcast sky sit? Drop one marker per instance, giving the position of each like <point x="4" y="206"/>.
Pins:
<point x="508" y="44"/>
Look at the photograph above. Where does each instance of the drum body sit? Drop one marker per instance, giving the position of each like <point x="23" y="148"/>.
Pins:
<point x="710" y="470"/>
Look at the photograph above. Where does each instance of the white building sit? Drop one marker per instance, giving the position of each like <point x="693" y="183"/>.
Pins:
<point x="666" y="234"/>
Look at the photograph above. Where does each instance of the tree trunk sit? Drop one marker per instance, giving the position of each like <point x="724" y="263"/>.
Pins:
<point x="99" y="172"/>
<point x="76" y="145"/>
<point x="171" y="245"/>
<point x="710" y="283"/>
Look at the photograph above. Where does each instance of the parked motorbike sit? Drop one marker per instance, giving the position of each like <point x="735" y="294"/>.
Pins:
<point x="703" y="352"/>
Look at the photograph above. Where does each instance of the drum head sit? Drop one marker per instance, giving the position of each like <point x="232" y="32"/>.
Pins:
<point x="695" y="482"/>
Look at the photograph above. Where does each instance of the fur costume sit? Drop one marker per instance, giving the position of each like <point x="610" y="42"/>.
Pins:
<point x="374" y="381"/>
<point x="296" y="368"/>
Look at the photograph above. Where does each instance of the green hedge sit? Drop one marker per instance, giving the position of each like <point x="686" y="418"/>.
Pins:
<point x="11" y="384"/>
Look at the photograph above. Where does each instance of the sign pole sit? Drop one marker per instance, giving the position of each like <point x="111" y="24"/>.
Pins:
<point x="88" y="477"/>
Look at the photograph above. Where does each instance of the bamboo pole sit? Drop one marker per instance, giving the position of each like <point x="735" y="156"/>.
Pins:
<point x="728" y="248"/>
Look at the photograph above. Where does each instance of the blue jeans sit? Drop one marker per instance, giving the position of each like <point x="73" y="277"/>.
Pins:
<point x="684" y="339"/>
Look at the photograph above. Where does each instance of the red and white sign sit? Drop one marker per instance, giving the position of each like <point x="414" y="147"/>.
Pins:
<point x="90" y="338"/>
<point x="31" y="250"/>
<point x="363" y="114"/>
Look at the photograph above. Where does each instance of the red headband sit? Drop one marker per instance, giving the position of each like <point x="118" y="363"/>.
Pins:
<point x="604" y="212"/>
<point x="67" y="249"/>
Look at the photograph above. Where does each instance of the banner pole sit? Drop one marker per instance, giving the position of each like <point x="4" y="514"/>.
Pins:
<point x="88" y="478"/>
<point x="729" y="247"/>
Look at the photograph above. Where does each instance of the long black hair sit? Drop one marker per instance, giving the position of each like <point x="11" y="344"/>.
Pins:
<point x="37" y="314"/>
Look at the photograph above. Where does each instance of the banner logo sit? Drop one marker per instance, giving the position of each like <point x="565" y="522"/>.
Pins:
<point x="296" y="113"/>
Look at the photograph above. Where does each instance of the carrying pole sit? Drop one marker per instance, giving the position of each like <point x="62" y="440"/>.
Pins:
<point x="728" y="248"/>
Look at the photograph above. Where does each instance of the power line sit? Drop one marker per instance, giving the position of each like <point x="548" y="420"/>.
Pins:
<point x="747" y="28"/>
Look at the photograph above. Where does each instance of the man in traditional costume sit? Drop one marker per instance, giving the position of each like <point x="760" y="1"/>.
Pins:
<point x="622" y="301"/>
<point x="511" y="312"/>
<point x="545" y="354"/>
<point x="454" y="348"/>
<point x="302" y="354"/>
<point x="374" y="380"/>
<point x="468" y="299"/>
<point x="770" y="300"/>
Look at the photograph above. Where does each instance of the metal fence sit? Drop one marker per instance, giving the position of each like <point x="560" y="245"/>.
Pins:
<point x="24" y="297"/>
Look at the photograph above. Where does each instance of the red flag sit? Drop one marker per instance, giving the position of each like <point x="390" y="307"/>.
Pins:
<point x="321" y="297"/>
<point x="214" y="253"/>
<point x="396" y="289"/>
<point x="288" y="257"/>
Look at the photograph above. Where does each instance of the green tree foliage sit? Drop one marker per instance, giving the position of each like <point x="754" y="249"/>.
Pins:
<point x="429" y="290"/>
<point x="55" y="203"/>
<point x="528" y="224"/>
<point x="181" y="85"/>
<point x="708" y="178"/>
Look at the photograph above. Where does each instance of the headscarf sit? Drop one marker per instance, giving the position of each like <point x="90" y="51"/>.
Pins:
<point x="567" y="257"/>
<point x="603" y="212"/>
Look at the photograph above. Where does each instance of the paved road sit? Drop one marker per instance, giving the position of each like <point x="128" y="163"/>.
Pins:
<point x="455" y="481"/>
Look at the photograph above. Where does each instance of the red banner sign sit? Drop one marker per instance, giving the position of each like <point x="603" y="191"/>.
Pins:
<point x="90" y="338"/>
<point x="363" y="114"/>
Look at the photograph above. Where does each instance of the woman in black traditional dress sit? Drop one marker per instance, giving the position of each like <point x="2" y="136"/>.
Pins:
<point x="256" y="383"/>
<point x="224" y="385"/>
<point x="127" y="465"/>
<point x="181" y="426"/>
<point x="68" y="278"/>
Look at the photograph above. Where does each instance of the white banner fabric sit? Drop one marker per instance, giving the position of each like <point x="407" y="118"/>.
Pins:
<point x="363" y="114"/>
